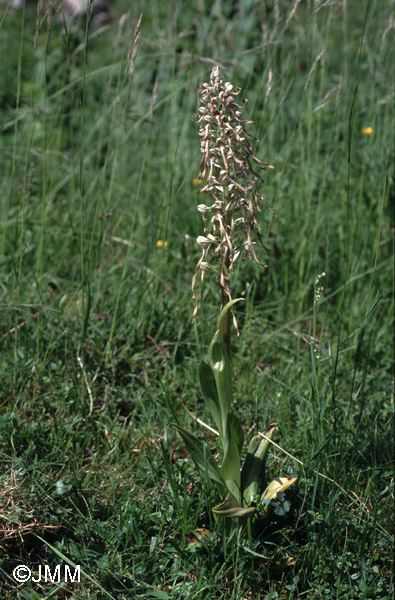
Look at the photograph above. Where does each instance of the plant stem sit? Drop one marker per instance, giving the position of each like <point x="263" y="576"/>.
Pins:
<point x="225" y="281"/>
<point x="225" y="327"/>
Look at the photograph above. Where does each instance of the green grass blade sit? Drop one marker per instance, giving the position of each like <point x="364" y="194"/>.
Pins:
<point x="73" y="564"/>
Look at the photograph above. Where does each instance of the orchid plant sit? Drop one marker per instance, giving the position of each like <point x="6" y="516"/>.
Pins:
<point x="230" y="173"/>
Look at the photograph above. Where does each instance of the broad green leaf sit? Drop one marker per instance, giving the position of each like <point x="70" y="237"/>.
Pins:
<point x="209" y="389"/>
<point x="233" y="441"/>
<point x="279" y="484"/>
<point x="230" y="470"/>
<point x="238" y="511"/>
<point x="229" y="508"/>
<point x="234" y="432"/>
<point x="220" y="365"/>
<point x="202" y="457"/>
<point x="254" y="465"/>
<point x="229" y="502"/>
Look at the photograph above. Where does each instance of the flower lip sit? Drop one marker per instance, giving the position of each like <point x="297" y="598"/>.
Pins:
<point x="204" y="266"/>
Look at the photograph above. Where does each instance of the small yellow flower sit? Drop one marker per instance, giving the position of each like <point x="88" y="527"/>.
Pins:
<point x="367" y="130"/>
<point x="196" y="181"/>
<point x="161" y="244"/>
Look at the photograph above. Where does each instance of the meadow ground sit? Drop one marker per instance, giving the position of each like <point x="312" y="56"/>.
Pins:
<point x="97" y="250"/>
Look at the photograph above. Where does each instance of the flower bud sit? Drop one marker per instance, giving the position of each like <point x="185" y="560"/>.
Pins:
<point x="203" y="241"/>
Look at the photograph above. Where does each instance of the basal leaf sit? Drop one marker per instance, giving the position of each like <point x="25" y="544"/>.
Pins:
<point x="233" y="441"/>
<point x="230" y="470"/>
<point x="234" y="432"/>
<point x="254" y="465"/>
<point x="219" y="362"/>
<point x="229" y="508"/>
<point x="238" y="511"/>
<point x="209" y="389"/>
<point x="279" y="484"/>
<point x="202" y="457"/>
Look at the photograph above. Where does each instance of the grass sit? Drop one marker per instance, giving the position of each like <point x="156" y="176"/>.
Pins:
<point x="98" y="353"/>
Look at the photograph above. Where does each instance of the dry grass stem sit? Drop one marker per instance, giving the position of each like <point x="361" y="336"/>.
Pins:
<point x="132" y="54"/>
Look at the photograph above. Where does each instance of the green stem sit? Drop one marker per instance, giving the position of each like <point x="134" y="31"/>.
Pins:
<point x="225" y="266"/>
<point x="225" y="327"/>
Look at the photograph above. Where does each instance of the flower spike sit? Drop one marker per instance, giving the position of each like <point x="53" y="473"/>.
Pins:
<point x="228" y="176"/>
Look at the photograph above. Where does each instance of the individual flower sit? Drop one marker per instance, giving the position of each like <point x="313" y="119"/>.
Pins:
<point x="367" y="131"/>
<point x="161" y="243"/>
<point x="229" y="173"/>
